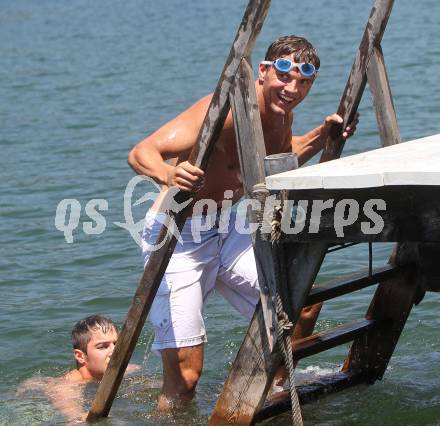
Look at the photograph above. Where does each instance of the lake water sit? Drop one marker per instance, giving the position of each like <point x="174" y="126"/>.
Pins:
<point x="80" y="83"/>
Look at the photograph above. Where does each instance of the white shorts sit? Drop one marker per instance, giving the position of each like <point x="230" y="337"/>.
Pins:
<point x="224" y="261"/>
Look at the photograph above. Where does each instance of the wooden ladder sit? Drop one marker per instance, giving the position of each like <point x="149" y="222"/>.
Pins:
<point x="241" y="401"/>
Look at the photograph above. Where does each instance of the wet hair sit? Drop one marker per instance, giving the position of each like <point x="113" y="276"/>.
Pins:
<point x="81" y="332"/>
<point x="300" y="47"/>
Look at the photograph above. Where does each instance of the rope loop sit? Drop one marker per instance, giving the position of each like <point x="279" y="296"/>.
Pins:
<point x="275" y="225"/>
<point x="283" y="321"/>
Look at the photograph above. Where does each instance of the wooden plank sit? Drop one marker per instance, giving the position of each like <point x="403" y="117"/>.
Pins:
<point x="332" y="247"/>
<point x="328" y="339"/>
<point x="349" y="283"/>
<point x="134" y="322"/>
<point x="250" y="144"/>
<point x="411" y="163"/>
<point x="382" y="99"/>
<point x="212" y="125"/>
<point x="309" y="392"/>
<point x="248" y="128"/>
<point x="356" y="82"/>
<point x="384" y="214"/>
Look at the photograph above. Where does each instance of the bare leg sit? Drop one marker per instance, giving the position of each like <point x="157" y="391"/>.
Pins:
<point x="182" y="368"/>
<point x="304" y="327"/>
<point x="306" y="322"/>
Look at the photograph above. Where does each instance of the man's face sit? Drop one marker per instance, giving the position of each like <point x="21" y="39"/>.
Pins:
<point x="99" y="350"/>
<point x="283" y="91"/>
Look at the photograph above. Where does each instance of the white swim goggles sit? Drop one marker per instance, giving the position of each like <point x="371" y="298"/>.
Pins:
<point x="285" y="65"/>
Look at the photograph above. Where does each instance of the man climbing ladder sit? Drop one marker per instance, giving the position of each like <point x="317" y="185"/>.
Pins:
<point x="223" y="260"/>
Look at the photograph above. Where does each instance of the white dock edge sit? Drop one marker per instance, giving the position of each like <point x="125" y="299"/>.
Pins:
<point x="415" y="162"/>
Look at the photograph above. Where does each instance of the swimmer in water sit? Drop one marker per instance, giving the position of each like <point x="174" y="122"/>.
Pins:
<point x="93" y="341"/>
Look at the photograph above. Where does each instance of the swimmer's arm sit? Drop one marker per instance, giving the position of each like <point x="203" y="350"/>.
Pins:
<point x="308" y="145"/>
<point x="173" y="140"/>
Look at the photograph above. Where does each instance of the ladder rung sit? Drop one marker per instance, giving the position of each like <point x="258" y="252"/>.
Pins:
<point x="350" y="283"/>
<point x="324" y="340"/>
<point x="310" y="391"/>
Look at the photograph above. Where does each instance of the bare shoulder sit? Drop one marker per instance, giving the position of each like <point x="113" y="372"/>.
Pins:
<point x="59" y="387"/>
<point x="73" y="376"/>
<point x="179" y="134"/>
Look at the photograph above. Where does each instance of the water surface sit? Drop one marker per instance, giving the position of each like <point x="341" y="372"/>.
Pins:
<point x="80" y="83"/>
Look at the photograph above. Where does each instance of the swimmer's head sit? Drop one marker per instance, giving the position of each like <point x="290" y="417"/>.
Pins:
<point x="93" y="340"/>
<point x="301" y="49"/>
<point x="286" y="75"/>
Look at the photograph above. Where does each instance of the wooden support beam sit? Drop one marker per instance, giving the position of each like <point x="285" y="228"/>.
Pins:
<point x="250" y="144"/>
<point x="248" y="128"/>
<point x="356" y="82"/>
<point x="394" y="297"/>
<point x="209" y="133"/>
<point x="332" y="247"/>
<point x="309" y="392"/>
<point x="349" y="283"/>
<point x="382" y="99"/>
